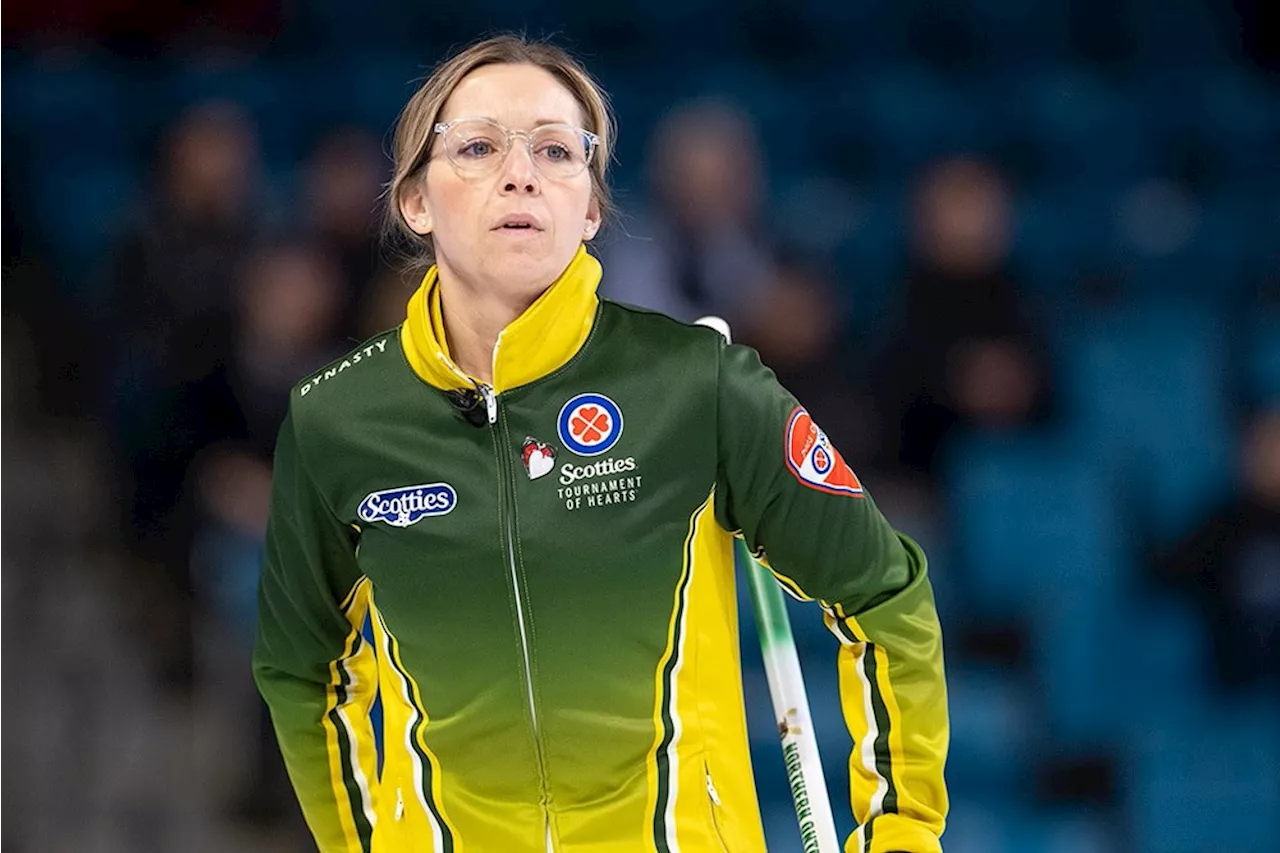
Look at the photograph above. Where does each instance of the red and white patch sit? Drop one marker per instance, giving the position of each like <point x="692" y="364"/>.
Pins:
<point x="813" y="459"/>
<point x="538" y="457"/>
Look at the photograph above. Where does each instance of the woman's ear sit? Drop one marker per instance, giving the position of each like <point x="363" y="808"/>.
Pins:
<point x="414" y="208"/>
<point x="592" y="224"/>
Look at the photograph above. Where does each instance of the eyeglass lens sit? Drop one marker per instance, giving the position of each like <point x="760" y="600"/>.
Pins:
<point x="481" y="146"/>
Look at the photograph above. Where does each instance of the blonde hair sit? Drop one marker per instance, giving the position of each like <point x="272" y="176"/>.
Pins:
<point x="415" y="129"/>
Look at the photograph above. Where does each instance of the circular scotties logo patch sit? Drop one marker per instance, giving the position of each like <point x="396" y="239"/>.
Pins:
<point x="590" y="424"/>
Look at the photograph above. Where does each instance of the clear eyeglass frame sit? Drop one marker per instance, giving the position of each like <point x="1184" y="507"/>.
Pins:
<point x="505" y="138"/>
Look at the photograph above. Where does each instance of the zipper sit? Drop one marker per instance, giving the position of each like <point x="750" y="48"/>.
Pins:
<point x="490" y="403"/>
<point x="715" y="810"/>
<point x="509" y="535"/>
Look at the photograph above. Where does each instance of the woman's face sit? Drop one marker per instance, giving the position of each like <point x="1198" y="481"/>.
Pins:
<point x="464" y="212"/>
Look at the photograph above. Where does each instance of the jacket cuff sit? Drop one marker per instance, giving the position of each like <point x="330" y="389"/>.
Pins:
<point x="893" y="833"/>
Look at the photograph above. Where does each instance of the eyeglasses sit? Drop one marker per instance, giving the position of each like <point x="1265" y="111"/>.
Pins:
<point x="479" y="146"/>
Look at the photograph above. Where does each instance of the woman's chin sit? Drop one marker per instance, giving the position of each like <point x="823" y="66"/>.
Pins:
<point x="522" y="263"/>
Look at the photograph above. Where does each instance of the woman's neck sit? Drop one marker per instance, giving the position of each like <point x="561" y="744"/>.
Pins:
<point x="473" y="319"/>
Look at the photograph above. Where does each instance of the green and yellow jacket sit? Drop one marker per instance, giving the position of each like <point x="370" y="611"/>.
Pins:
<point x="547" y="568"/>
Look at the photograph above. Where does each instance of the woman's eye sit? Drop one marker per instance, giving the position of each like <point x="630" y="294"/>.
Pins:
<point x="477" y="148"/>
<point x="555" y="151"/>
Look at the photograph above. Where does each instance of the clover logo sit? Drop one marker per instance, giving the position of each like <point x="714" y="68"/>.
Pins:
<point x="590" y="424"/>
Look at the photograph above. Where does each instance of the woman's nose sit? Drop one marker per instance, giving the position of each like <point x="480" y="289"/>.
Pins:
<point x="519" y="172"/>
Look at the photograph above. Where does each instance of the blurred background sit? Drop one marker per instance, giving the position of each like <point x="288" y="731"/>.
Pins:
<point x="1021" y="261"/>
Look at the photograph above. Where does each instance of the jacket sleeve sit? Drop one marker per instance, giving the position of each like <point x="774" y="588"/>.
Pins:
<point x="315" y="670"/>
<point x="804" y="513"/>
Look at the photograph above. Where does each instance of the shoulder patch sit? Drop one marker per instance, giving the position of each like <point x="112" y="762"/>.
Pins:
<point x="814" y="461"/>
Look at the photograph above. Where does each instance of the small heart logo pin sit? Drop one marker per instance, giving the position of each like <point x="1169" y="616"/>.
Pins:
<point x="539" y="457"/>
<point x="539" y="464"/>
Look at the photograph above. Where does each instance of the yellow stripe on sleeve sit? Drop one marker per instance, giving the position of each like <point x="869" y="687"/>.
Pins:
<point x="357" y="669"/>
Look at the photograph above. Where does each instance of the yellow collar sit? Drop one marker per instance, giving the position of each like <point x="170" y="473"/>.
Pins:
<point x="539" y="341"/>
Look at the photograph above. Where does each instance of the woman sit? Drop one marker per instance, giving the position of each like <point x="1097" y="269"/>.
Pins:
<point x="531" y="495"/>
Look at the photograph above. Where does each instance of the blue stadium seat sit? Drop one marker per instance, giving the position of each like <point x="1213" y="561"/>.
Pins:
<point x="1037" y="539"/>
<point x="1033" y="522"/>
<point x="1212" y="261"/>
<point x="880" y="126"/>
<point x="680" y="31"/>
<point x="1085" y="128"/>
<point x="1262" y="368"/>
<point x="68" y="113"/>
<point x="1091" y="696"/>
<point x="1224" y="123"/>
<point x="1081" y="685"/>
<point x="814" y="213"/>
<point x="383" y="24"/>
<point x="1176" y="33"/>
<point x="1064" y="234"/>
<point x="869" y="265"/>
<point x="1144" y="387"/>
<point x="857" y="33"/>
<point x="996" y="824"/>
<point x="1240" y="117"/>
<point x="911" y="116"/>
<point x="1166" y="98"/>
<point x="992" y="720"/>
<point x="1167" y="666"/>
<point x="375" y="88"/>
<point x="1257" y="217"/>
<point x="1210" y="781"/>
<point x="81" y="208"/>
<point x="1015" y="34"/>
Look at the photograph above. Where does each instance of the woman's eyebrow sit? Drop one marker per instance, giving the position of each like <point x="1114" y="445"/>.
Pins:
<point x="536" y="122"/>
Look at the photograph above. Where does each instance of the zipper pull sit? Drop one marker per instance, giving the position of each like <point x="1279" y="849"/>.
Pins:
<point x="399" y="804"/>
<point x="490" y="402"/>
<point x="711" y="789"/>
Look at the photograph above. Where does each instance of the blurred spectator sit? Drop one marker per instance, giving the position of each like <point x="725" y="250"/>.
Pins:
<point x="966" y="353"/>
<point x="701" y="248"/>
<point x="1231" y="564"/>
<point x="344" y="178"/>
<point x="174" y="268"/>
<point x="170" y="283"/>
<point x="216" y="429"/>
<point x="383" y="305"/>
<point x="62" y="376"/>
<point x="287" y="310"/>
<point x="796" y="327"/>
<point x="288" y="307"/>
<point x="169" y="322"/>
<point x="704" y="248"/>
